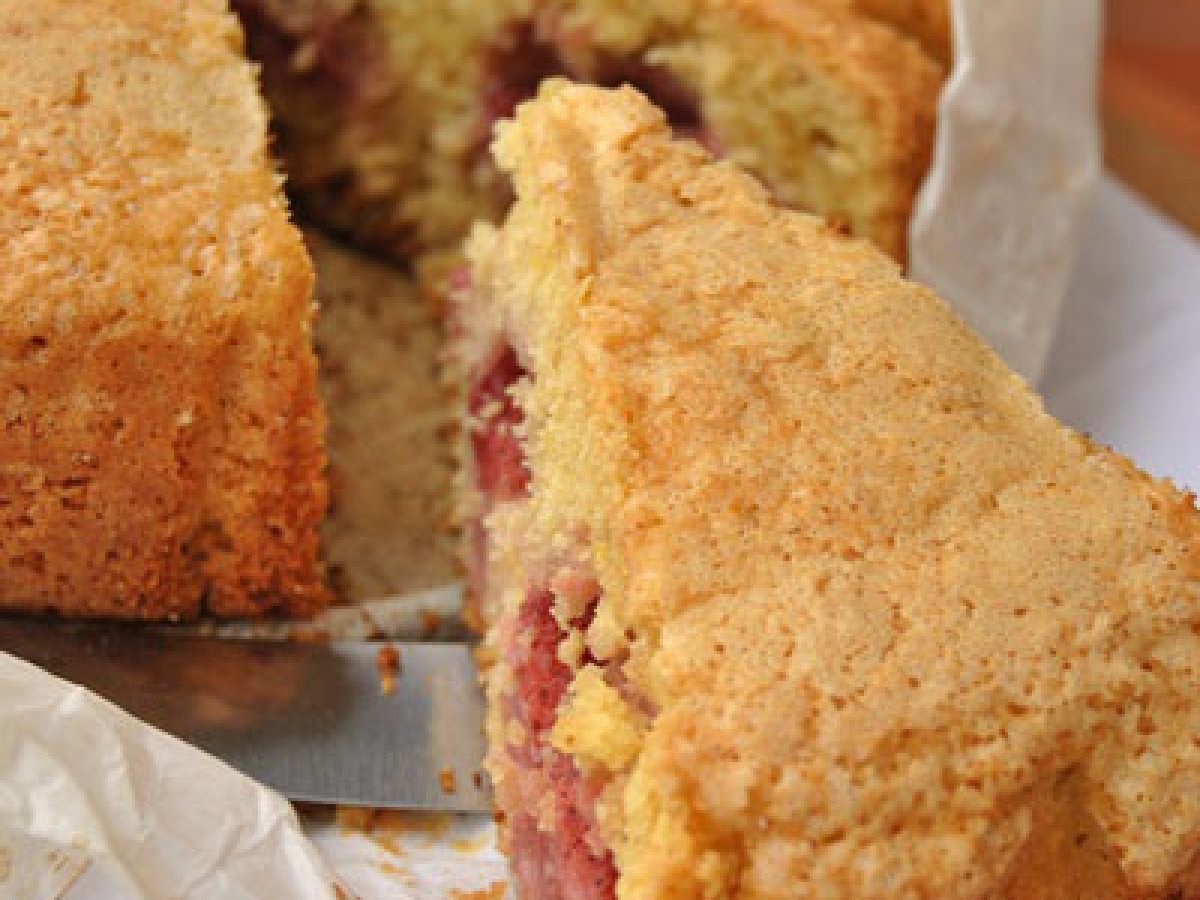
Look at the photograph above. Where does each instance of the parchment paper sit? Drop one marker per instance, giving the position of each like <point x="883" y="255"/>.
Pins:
<point x="997" y="222"/>
<point x="80" y="777"/>
<point x="96" y="806"/>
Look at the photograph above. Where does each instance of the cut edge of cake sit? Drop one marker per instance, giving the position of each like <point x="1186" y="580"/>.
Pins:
<point x="390" y="528"/>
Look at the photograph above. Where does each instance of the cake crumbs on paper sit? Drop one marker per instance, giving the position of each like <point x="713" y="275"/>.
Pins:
<point x="355" y="818"/>
<point x="472" y="844"/>
<point x="387" y="663"/>
<point x="447" y="780"/>
<point x="494" y="891"/>
<point x="384" y="826"/>
<point x="391" y="868"/>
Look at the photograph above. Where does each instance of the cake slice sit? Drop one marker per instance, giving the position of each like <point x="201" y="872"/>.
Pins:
<point x="391" y="426"/>
<point x="792" y="588"/>
<point x="161" y="449"/>
<point x="384" y="108"/>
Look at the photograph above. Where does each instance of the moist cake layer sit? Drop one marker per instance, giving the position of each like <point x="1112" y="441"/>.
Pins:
<point x="161" y="449"/>
<point x="828" y="101"/>
<point x="868" y="622"/>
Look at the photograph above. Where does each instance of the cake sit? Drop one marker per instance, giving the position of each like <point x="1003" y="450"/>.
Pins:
<point x="384" y="108"/>
<point x="792" y="587"/>
<point x="928" y="21"/>
<point x="391" y="427"/>
<point x="161" y="450"/>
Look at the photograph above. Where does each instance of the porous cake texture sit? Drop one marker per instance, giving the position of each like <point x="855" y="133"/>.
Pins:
<point x="161" y="450"/>
<point x="794" y="589"/>
<point x="384" y="108"/>
<point x="391" y="429"/>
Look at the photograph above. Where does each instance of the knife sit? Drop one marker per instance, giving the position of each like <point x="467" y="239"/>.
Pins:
<point x="315" y="721"/>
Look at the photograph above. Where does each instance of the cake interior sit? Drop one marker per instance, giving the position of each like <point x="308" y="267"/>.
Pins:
<point x="845" y="141"/>
<point x="389" y="529"/>
<point x="523" y="55"/>
<point x="384" y="108"/>
<point x="548" y="801"/>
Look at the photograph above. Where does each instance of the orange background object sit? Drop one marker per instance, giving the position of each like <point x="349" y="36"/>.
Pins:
<point x="1151" y="101"/>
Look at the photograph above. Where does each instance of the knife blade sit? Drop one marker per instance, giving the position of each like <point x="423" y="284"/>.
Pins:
<point x="311" y="720"/>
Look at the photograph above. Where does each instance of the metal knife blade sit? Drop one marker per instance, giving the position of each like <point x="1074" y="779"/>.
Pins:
<point x="310" y="720"/>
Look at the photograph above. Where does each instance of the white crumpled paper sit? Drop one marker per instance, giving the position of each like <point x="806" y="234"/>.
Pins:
<point x="79" y="777"/>
<point x="95" y="806"/>
<point x="410" y="856"/>
<point x="997" y="222"/>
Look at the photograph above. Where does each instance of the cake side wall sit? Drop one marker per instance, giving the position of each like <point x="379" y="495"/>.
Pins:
<point x="85" y="529"/>
<point x="161" y="441"/>
<point x="266" y="493"/>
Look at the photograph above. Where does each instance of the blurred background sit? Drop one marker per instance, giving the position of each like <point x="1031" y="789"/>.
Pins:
<point x="1124" y="366"/>
<point x="1151" y="102"/>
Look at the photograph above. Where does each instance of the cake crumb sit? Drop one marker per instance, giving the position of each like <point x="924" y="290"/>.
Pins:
<point x="387" y="663"/>
<point x="447" y="781"/>
<point x="494" y="891"/>
<point x="431" y="621"/>
<point x="838" y="224"/>
<point x="376" y="823"/>
<point x="355" y="818"/>
<point x="390" y="868"/>
<point x="472" y="844"/>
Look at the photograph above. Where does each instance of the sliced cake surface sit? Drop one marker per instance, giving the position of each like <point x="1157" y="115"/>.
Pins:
<point x="391" y="421"/>
<point x="793" y="588"/>
<point x="161" y="449"/>
<point x="384" y="108"/>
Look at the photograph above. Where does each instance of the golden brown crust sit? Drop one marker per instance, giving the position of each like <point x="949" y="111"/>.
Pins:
<point x="903" y="632"/>
<point x="390" y="437"/>
<point x="162" y="440"/>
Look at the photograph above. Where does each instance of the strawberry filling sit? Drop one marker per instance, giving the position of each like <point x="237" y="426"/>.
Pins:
<point x="512" y="69"/>
<point x="556" y="849"/>
<point x="526" y="55"/>
<point x="497" y="456"/>
<point x="500" y="471"/>
<point x="337" y="50"/>
<point x="567" y="861"/>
